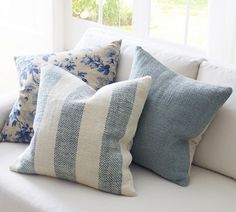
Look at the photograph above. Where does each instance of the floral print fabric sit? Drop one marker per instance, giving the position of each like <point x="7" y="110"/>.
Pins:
<point x="96" y="67"/>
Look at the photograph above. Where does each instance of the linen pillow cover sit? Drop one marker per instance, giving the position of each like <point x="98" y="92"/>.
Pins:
<point x="217" y="150"/>
<point x="177" y="110"/>
<point x="82" y="135"/>
<point x="96" y="67"/>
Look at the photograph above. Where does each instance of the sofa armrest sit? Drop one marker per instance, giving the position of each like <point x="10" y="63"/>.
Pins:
<point x="6" y="103"/>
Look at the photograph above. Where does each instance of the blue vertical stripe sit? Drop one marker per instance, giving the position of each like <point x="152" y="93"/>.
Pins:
<point x="68" y="133"/>
<point x="110" y="167"/>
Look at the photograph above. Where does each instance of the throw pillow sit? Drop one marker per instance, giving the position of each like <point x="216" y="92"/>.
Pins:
<point x="177" y="110"/>
<point x="217" y="150"/>
<point x="96" y="67"/>
<point x="82" y="135"/>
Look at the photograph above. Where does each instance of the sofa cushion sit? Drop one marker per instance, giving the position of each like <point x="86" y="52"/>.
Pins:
<point x="82" y="135"/>
<point x="217" y="150"/>
<point x="177" y="58"/>
<point x="177" y="109"/>
<point x="97" y="68"/>
<point x="208" y="191"/>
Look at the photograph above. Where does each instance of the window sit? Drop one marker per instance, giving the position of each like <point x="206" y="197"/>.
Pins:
<point x="117" y="13"/>
<point x="198" y="24"/>
<point x="85" y="9"/>
<point x="168" y="20"/>
<point x="180" y="21"/>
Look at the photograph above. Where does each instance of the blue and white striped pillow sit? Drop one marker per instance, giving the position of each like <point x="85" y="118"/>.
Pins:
<point x="82" y="135"/>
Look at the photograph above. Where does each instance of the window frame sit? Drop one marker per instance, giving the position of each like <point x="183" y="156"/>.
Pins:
<point x="141" y="23"/>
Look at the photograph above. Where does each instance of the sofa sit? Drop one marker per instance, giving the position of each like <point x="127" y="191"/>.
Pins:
<point x="211" y="185"/>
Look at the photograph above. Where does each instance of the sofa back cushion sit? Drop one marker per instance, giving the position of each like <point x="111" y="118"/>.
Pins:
<point x="217" y="151"/>
<point x="174" y="57"/>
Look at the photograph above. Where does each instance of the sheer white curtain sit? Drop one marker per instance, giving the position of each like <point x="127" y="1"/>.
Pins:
<point x="25" y="28"/>
<point x="222" y="31"/>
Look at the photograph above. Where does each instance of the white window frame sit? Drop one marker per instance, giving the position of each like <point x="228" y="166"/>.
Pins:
<point x="141" y="18"/>
<point x="73" y="28"/>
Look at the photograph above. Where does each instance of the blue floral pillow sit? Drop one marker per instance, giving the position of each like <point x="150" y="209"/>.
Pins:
<point x="96" y="67"/>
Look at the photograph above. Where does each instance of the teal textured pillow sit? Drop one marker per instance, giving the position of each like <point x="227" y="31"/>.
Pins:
<point x="82" y="135"/>
<point x="96" y="67"/>
<point x="177" y="110"/>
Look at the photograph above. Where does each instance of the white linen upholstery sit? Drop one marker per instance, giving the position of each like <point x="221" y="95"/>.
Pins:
<point x="183" y="62"/>
<point x="6" y="103"/>
<point x="217" y="150"/>
<point x="207" y="191"/>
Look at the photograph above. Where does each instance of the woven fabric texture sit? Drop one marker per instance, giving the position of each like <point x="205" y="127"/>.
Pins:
<point x="82" y="135"/>
<point x="177" y="110"/>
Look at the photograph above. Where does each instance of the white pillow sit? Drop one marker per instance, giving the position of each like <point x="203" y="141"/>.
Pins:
<point x="217" y="151"/>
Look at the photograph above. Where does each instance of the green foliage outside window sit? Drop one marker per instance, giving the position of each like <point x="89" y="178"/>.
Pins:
<point x="85" y="9"/>
<point x="115" y="12"/>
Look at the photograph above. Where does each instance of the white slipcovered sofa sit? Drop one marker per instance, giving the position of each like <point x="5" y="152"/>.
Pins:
<point x="208" y="191"/>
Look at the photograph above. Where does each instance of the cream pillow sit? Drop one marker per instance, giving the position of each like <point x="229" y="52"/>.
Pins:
<point x="217" y="150"/>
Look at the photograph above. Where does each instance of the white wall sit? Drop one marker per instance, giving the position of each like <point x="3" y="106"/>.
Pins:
<point x="26" y="28"/>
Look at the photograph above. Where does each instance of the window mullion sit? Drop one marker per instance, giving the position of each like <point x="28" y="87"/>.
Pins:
<point x="100" y="11"/>
<point x="141" y="17"/>
<point x="186" y="30"/>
